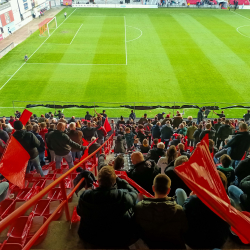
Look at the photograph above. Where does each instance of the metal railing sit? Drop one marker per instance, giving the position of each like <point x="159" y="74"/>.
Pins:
<point x="60" y="181"/>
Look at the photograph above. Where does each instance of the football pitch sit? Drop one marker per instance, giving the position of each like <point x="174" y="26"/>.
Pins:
<point x="167" y="56"/>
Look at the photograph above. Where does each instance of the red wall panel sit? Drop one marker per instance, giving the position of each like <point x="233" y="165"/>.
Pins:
<point x="11" y="16"/>
<point x="3" y="20"/>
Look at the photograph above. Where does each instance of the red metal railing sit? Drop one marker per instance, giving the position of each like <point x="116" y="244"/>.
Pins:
<point x="22" y="209"/>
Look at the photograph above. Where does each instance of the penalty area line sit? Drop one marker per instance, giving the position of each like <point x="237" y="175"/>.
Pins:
<point x="35" y="51"/>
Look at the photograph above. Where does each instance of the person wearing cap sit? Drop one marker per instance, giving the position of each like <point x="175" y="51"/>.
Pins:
<point x="160" y="115"/>
<point x="167" y="119"/>
<point x="30" y="143"/>
<point x="132" y="115"/>
<point x="143" y="120"/>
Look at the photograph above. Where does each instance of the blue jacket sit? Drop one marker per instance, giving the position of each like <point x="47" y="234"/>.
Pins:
<point x="41" y="148"/>
<point x="156" y="131"/>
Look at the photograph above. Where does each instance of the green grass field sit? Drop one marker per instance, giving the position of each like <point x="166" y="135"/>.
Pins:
<point x="132" y="55"/>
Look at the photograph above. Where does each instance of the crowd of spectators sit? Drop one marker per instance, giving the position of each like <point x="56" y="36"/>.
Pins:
<point x="175" y="216"/>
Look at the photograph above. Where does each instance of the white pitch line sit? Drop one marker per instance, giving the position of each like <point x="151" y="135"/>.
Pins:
<point x="239" y="14"/>
<point x="12" y="76"/>
<point x="75" y="64"/>
<point x="240" y="32"/>
<point x="76" y="34"/>
<point x="126" y="41"/>
<point x="137" y="37"/>
<point x="35" y="51"/>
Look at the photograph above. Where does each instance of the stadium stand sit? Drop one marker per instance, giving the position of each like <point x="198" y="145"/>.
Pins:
<point x="27" y="213"/>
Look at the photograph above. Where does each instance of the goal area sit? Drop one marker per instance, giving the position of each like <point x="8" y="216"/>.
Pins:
<point x="47" y="26"/>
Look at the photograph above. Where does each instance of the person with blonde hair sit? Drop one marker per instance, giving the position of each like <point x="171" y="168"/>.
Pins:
<point x="156" y="154"/>
<point x="109" y="204"/>
<point x="145" y="146"/>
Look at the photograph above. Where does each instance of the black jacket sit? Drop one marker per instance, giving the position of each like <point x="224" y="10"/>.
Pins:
<point x="88" y="117"/>
<point x="166" y="132"/>
<point x="200" y="116"/>
<point x="224" y="131"/>
<point x="245" y="198"/>
<point x="217" y="126"/>
<point x="144" y="149"/>
<point x="41" y="148"/>
<point x="239" y="145"/>
<point x="93" y="148"/>
<point x="156" y="132"/>
<point x="196" y="135"/>
<point x="61" y="143"/>
<point x="176" y="181"/>
<point x="205" y="228"/>
<point x="120" y="145"/>
<point x="155" y="154"/>
<point x="88" y="133"/>
<point x="143" y="174"/>
<point x="105" y="214"/>
<point x="211" y="133"/>
<point x="29" y="141"/>
<point x="246" y="117"/>
<point x="4" y="135"/>
<point x="243" y="169"/>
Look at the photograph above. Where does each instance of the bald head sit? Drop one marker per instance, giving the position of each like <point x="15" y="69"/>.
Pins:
<point x="61" y="126"/>
<point x="137" y="157"/>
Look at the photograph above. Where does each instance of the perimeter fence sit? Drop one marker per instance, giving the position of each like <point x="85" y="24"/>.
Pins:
<point x="117" y="109"/>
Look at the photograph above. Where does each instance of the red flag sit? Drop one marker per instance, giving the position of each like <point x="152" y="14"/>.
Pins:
<point x="106" y="125"/>
<point x="201" y="176"/>
<point x="25" y="116"/>
<point x="14" y="163"/>
<point x="85" y="143"/>
<point x="86" y="151"/>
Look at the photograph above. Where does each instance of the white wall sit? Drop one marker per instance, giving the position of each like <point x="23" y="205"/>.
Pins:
<point x="15" y="10"/>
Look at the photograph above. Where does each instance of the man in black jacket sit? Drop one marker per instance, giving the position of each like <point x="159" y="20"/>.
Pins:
<point x="239" y="144"/>
<point x="209" y="130"/>
<point x="89" y="132"/>
<point x="60" y="114"/>
<point x="247" y="116"/>
<point x="156" y="153"/>
<point x="143" y="172"/>
<point x="106" y="218"/>
<point x="61" y="144"/>
<point x="156" y="131"/>
<point x="30" y="143"/>
<point x="200" y="115"/>
<point x="132" y="115"/>
<point x="88" y="116"/>
<point x="243" y="169"/>
<point x="223" y="132"/>
<point x="166" y="133"/>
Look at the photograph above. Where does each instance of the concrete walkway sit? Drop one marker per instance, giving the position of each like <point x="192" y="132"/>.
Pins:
<point x="21" y="34"/>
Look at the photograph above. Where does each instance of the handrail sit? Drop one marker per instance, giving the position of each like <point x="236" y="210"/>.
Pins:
<point x="21" y="210"/>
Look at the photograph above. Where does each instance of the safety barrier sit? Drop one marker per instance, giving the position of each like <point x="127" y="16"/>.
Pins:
<point x="65" y="198"/>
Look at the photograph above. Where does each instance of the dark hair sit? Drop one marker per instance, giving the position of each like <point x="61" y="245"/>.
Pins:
<point x="156" y="140"/>
<point x="200" y="126"/>
<point x="162" y="184"/>
<point x="35" y="128"/>
<point x="119" y="162"/>
<point x="172" y="153"/>
<point x="225" y="160"/>
<point x="107" y="177"/>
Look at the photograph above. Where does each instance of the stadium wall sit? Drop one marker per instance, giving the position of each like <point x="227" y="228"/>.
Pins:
<point x="114" y="6"/>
